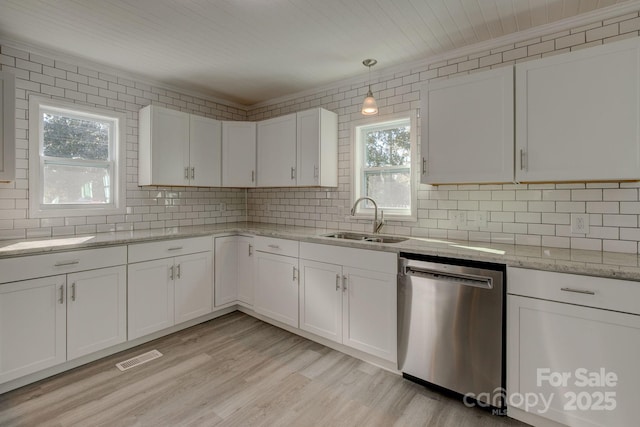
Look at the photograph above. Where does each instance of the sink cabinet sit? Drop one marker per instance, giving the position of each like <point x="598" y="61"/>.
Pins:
<point x="349" y="296"/>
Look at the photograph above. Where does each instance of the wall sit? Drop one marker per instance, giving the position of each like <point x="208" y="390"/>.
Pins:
<point x="523" y="214"/>
<point x="147" y="207"/>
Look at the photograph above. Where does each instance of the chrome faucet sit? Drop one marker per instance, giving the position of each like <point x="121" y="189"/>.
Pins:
<point x="377" y="225"/>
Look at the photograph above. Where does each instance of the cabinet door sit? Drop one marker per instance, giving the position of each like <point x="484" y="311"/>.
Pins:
<point x="317" y="148"/>
<point x="548" y="339"/>
<point x="32" y="326"/>
<point x="163" y="147"/>
<point x="468" y="129"/>
<point x="321" y="299"/>
<point x="369" y="312"/>
<point x="226" y="270"/>
<point x="578" y="115"/>
<point x="276" y="287"/>
<point x="96" y="310"/>
<point x="193" y="286"/>
<point x="238" y="154"/>
<point x="150" y="297"/>
<point x="245" y="257"/>
<point x="7" y="127"/>
<point x="277" y="152"/>
<point x="205" y="152"/>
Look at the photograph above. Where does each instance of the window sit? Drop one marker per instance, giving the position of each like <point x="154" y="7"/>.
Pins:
<point x="76" y="159"/>
<point x="384" y="151"/>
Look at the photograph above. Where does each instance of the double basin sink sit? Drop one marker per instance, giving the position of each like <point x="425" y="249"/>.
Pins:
<point x="365" y="237"/>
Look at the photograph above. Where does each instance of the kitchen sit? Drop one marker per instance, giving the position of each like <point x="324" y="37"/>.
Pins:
<point x="532" y="221"/>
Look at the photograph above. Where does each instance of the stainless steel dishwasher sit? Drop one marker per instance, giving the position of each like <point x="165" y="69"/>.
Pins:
<point x="451" y="326"/>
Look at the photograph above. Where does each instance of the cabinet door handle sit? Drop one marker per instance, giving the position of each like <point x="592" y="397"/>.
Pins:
<point x="424" y="166"/>
<point x="61" y="299"/>
<point x="315" y="171"/>
<point x="186" y="173"/>
<point x="523" y="165"/>
<point x="578" y="291"/>
<point x="171" y="276"/>
<point x="250" y="250"/>
<point x="337" y="282"/>
<point x="73" y="291"/>
<point x="193" y="173"/>
<point x="65" y="263"/>
<point x="293" y="172"/>
<point x="178" y="271"/>
<point x="344" y="283"/>
<point x="253" y="176"/>
<point x="294" y="273"/>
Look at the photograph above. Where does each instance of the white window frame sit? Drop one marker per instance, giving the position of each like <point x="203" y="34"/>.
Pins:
<point x="357" y="166"/>
<point x="37" y="106"/>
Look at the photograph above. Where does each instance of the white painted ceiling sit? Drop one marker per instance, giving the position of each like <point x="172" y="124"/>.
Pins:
<point x="249" y="51"/>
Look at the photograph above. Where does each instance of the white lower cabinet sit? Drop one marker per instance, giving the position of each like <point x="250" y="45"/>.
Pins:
<point x="276" y="287"/>
<point x="233" y="270"/>
<point x="33" y="326"/>
<point x="96" y="310"/>
<point x="47" y="321"/>
<point x="355" y="306"/>
<point x="568" y="359"/>
<point x="168" y="291"/>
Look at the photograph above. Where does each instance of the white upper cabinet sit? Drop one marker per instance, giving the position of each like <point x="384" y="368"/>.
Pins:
<point x="577" y="115"/>
<point x="467" y="129"/>
<point x="7" y="127"/>
<point x="176" y="148"/>
<point x="205" y="151"/>
<point x="277" y="152"/>
<point x="317" y="148"/>
<point x="238" y="154"/>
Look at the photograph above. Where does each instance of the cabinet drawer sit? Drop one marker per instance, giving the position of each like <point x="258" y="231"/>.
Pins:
<point x="277" y="246"/>
<point x="33" y="266"/>
<point x="169" y="248"/>
<point x="598" y="292"/>
<point x="385" y="262"/>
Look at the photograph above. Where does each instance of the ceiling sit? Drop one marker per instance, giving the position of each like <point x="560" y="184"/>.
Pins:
<point x="250" y="51"/>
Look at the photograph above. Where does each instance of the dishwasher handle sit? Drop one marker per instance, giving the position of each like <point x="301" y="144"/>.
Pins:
<point x="451" y="277"/>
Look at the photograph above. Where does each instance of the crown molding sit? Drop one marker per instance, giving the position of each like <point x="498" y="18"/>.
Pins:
<point x="602" y="14"/>
<point x="108" y="69"/>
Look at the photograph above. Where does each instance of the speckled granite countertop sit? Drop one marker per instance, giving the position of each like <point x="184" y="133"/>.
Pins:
<point x="594" y="263"/>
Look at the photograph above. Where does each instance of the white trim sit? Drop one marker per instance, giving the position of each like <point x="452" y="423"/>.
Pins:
<point x="36" y="103"/>
<point x="382" y="74"/>
<point x="372" y="120"/>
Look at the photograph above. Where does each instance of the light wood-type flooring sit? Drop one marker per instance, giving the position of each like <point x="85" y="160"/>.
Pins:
<point x="235" y="371"/>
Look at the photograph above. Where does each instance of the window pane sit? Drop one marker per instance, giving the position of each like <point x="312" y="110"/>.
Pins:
<point x="387" y="147"/>
<point x="88" y="185"/>
<point x="74" y="138"/>
<point x="390" y="189"/>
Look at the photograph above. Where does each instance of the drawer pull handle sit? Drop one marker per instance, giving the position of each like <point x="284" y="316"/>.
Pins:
<point x="65" y="263"/>
<point x="175" y="248"/>
<point x="274" y="246"/>
<point x="578" y="291"/>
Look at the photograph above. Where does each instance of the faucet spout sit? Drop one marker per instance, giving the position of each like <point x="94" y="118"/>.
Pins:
<point x="377" y="225"/>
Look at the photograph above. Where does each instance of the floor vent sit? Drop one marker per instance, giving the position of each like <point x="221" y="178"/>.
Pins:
<point x="138" y="360"/>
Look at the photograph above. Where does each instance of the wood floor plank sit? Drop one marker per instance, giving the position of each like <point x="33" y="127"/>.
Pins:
<point x="230" y="372"/>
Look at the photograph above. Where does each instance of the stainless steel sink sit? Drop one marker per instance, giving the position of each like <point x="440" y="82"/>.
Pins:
<point x="364" y="237"/>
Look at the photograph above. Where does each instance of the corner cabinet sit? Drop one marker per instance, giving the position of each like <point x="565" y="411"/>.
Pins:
<point x="574" y="341"/>
<point x="238" y="154"/>
<point x="578" y="115"/>
<point x="7" y="126"/>
<point x="176" y="148"/>
<point x="277" y="152"/>
<point x="349" y="296"/>
<point x="233" y="269"/>
<point x="467" y="129"/>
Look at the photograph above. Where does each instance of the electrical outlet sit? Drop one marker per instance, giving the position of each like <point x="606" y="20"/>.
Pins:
<point x="579" y="223"/>
<point x="223" y="206"/>
<point x="481" y="219"/>
<point x="459" y="218"/>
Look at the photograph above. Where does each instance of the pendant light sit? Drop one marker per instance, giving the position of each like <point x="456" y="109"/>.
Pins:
<point x="369" y="106"/>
